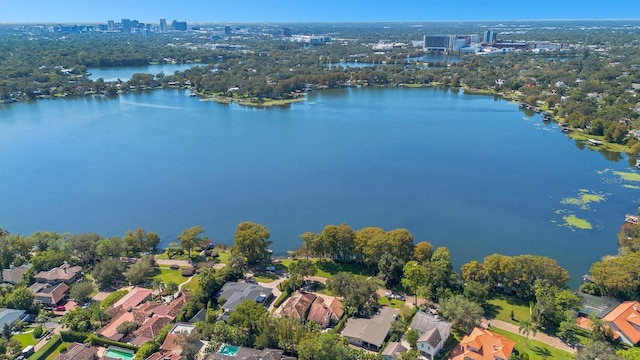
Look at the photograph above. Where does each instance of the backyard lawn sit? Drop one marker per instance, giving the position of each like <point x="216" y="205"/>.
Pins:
<point x="167" y="275"/>
<point x="26" y="339"/>
<point x="500" y="306"/>
<point x="535" y="349"/>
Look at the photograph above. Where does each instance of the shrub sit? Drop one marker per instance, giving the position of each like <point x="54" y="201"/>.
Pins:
<point x="37" y="332"/>
<point x="63" y="348"/>
<point x="98" y="341"/>
<point x="174" y="267"/>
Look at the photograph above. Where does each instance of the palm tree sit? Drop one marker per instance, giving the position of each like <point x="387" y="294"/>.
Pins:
<point x="528" y="327"/>
<point x="158" y="286"/>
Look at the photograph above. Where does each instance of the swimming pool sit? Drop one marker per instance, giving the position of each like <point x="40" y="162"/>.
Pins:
<point x="118" y="354"/>
<point x="228" y="350"/>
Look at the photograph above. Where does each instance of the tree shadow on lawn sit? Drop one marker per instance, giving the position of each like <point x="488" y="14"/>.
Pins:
<point x="540" y="351"/>
<point x="491" y="311"/>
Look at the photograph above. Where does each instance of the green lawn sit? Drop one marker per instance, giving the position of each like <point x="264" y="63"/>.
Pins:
<point x="26" y="339"/>
<point x="223" y="256"/>
<point x="500" y="306"/>
<point x="167" y="275"/>
<point x="56" y="352"/>
<point x="535" y="349"/>
<point x="397" y="304"/>
<point x="192" y="286"/>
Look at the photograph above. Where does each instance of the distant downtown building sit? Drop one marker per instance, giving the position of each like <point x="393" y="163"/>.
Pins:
<point x="438" y="42"/>
<point x="489" y="36"/>
<point x="163" y="25"/>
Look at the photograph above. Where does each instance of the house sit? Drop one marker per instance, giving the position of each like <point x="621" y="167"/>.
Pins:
<point x="596" y="305"/>
<point x="324" y="310"/>
<point x="10" y="317"/>
<point x="393" y="351"/>
<point x="135" y="297"/>
<point x="160" y="355"/>
<point x="433" y="332"/>
<point x="235" y="293"/>
<point x="243" y="353"/>
<point x="49" y="295"/>
<point x="13" y="275"/>
<point x="199" y="316"/>
<point x="63" y="274"/>
<point x="624" y="320"/>
<point x="370" y="333"/>
<point x="79" y="351"/>
<point x="483" y="345"/>
<point x="174" y="338"/>
<point x="149" y="330"/>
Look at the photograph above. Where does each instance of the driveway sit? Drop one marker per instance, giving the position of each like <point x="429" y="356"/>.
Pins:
<point x="274" y="289"/>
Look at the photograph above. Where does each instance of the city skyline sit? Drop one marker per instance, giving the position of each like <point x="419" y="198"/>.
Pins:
<point x="203" y="11"/>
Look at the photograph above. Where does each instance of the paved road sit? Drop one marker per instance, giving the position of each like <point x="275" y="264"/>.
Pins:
<point x="543" y="338"/>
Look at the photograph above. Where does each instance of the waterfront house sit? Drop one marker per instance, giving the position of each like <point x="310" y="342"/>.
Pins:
<point x="324" y="310"/>
<point x="235" y="293"/>
<point x="624" y="320"/>
<point x="371" y="333"/>
<point x="49" y="295"/>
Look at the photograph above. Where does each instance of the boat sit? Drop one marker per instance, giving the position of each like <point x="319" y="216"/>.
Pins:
<point x="637" y="163"/>
<point x="193" y="93"/>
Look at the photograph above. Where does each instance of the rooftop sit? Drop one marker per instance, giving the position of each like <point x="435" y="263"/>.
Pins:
<point x="374" y="330"/>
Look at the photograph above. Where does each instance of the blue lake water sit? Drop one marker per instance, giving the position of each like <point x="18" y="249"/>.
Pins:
<point x="126" y="72"/>
<point x="472" y="173"/>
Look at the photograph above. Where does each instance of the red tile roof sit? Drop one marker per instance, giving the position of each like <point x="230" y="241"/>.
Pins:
<point x="625" y="320"/>
<point x="483" y="345"/>
<point x="135" y="297"/>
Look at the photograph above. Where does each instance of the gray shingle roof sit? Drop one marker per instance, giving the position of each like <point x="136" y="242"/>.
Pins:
<point x="372" y="331"/>
<point x="235" y="293"/>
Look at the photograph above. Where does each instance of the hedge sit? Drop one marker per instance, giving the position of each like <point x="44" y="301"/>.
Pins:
<point x="71" y="336"/>
<point x="47" y="349"/>
<point x="113" y="297"/>
<point x="284" y="296"/>
<point x="106" y="343"/>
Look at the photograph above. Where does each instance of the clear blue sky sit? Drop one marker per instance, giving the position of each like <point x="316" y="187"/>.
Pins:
<point x="16" y="11"/>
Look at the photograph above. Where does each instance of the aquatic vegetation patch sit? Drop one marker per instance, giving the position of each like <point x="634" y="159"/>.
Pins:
<point x="628" y="176"/>
<point x="575" y="222"/>
<point x="584" y="198"/>
<point x="631" y="186"/>
<point x="602" y="172"/>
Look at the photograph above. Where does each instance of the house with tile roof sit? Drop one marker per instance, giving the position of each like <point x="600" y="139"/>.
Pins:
<point x="149" y="329"/>
<point x="433" y="332"/>
<point x="483" y="345"/>
<point x="321" y="309"/>
<point x="62" y="274"/>
<point x="624" y="320"/>
<point x="135" y="297"/>
<point x="298" y="305"/>
<point x="49" y="295"/>
<point x="370" y="333"/>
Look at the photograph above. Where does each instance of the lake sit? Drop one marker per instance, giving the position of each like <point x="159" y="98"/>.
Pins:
<point x="126" y="72"/>
<point x="473" y="173"/>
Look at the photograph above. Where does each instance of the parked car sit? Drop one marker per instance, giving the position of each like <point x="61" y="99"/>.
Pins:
<point x="61" y="308"/>
<point x="271" y="268"/>
<point x="388" y="294"/>
<point x="399" y="297"/>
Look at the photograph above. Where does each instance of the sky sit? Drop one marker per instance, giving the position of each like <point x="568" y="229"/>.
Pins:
<point x="222" y="11"/>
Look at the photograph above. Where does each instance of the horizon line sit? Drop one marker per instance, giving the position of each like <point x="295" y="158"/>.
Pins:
<point x="318" y="21"/>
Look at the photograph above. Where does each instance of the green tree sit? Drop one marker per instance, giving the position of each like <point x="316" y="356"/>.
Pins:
<point x="141" y="271"/>
<point x="108" y="273"/>
<point x="463" y="314"/>
<point x="629" y="354"/>
<point x="528" y="327"/>
<point x="390" y="269"/>
<point x="357" y="292"/>
<point x="323" y="346"/>
<point x="84" y="247"/>
<point x="126" y="328"/>
<point x="48" y="259"/>
<point x="412" y="337"/>
<point x="20" y="298"/>
<point x="476" y="292"/>
<point x="299" y="269"/>
<point x="599" y="350"/>
<point x="189" y="238"/>
<point x="422" y="251"/>
<point x="251" y="240"/>
<point x="413" y="277"/>
<point x="81" y="291"/>
<point x="246" y="315"/>
<point x="209" y="283"/>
